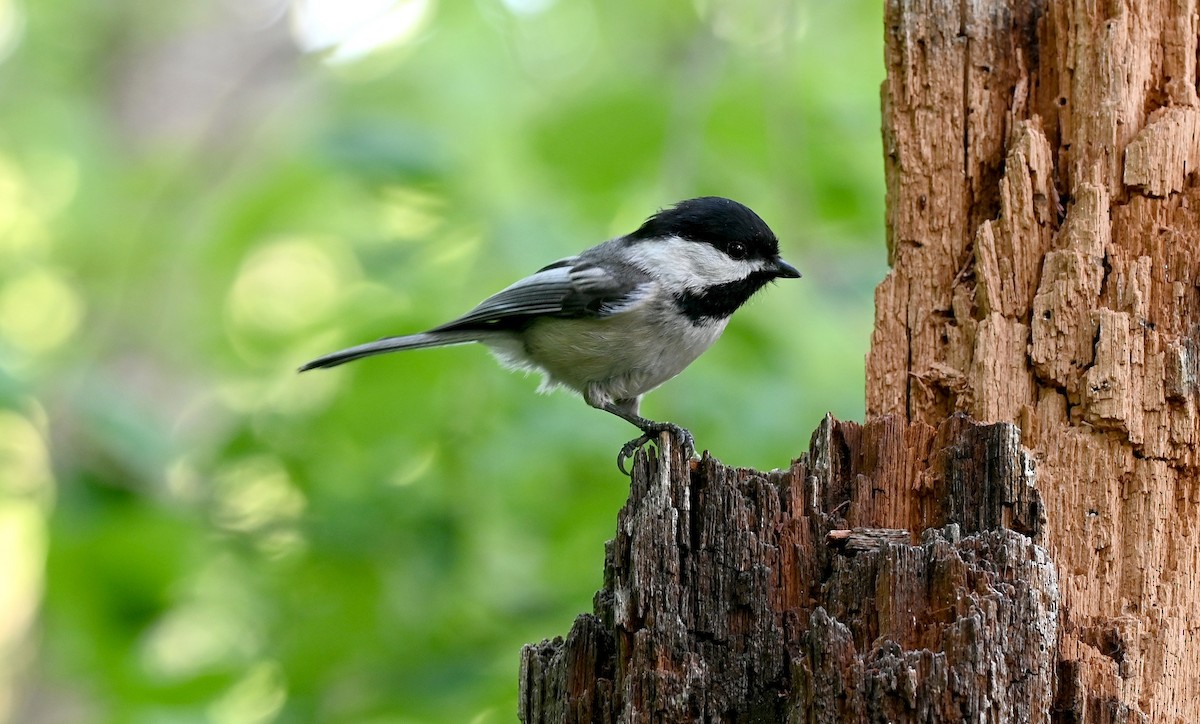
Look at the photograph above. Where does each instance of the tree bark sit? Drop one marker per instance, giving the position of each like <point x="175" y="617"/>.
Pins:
<point x="1012" y="536"/>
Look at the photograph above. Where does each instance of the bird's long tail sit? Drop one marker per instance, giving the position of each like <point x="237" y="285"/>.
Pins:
<point x="391" y="344"/>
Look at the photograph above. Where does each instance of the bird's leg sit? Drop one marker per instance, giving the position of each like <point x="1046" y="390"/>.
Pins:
<point x="627" y="411"/>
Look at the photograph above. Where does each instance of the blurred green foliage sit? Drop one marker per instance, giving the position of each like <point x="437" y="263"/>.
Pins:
<point x="195" y="197"/>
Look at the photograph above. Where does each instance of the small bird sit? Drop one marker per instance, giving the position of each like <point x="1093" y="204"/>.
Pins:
<point x="623" y="317"/>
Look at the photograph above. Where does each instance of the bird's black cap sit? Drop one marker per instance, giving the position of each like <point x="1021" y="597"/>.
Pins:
<point x="713" y="220"/>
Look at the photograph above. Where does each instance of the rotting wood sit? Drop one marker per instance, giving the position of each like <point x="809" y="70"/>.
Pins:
<point x="731" y="595"/>
<point x="860" y="540"/>
<point x="1072" y="309"/>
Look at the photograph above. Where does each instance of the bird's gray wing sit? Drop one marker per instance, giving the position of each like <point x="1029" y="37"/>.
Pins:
<point x="570" y="288"/>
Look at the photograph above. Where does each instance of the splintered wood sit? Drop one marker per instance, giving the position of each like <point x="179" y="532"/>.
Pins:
<point x="1044" y="225"/>
<point x="807" y="595"/>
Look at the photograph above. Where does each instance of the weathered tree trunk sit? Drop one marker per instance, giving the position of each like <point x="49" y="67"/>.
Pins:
<point x="1013" y="535"/>
<point x="733" y="595"/>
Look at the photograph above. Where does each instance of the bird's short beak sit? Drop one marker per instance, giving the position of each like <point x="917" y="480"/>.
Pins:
<point x="784" y="270"/>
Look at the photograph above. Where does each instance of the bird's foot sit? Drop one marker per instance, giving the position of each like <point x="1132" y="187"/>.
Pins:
<point x="649" y="433"/>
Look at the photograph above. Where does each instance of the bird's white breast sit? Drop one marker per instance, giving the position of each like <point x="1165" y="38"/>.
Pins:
<point x="622" y="356"/>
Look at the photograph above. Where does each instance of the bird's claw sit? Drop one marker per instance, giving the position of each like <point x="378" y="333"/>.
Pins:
<point x="629" y="449"/>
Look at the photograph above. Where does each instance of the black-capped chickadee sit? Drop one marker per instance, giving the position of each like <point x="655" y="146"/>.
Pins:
<point x="623" y="317"/>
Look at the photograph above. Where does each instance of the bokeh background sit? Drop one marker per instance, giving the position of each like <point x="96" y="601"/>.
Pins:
<point x="196" y="196"/>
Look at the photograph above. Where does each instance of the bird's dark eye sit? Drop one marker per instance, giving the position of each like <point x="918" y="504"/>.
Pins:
<point x="736" y="250"/>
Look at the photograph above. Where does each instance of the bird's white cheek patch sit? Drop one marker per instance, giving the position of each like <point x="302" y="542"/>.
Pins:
<point x="684" y="264"/>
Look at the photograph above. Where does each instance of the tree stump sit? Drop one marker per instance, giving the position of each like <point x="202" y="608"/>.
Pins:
<point x="1013" y="534"/>
<point x="804" y="595"/>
